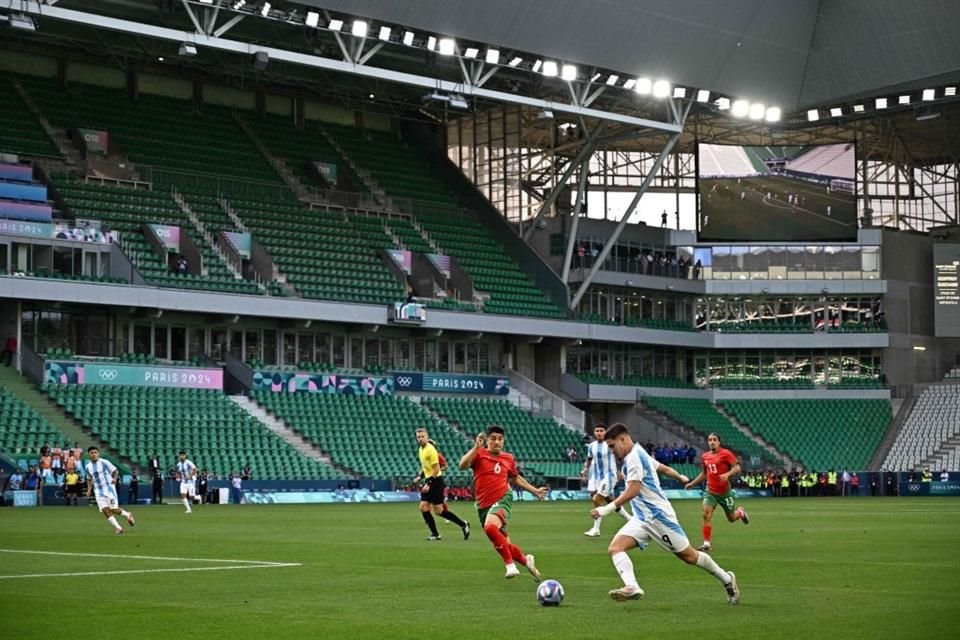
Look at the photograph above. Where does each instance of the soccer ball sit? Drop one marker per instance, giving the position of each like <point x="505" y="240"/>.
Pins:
<point x="550" y="593"/>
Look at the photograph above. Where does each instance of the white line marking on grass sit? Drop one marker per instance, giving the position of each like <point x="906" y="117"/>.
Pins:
<point x="229" y="564"/>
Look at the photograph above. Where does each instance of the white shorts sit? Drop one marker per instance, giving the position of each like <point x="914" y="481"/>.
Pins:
<point x="603" y="486"/>
<point x="188" y="488"/>
<point x="668" y="534"/>
<point x="107" y="501"/>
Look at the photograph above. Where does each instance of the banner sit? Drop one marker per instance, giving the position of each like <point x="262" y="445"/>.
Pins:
<point x="366" y="496"/>
<point x="167" y="234"/>
<point x="327" y="170"/>
<point x="24" y="228"/>
<point x="441" y="262"/>
<point x="403" y="258"/>
<point x="132" y="375"/>
<point x="29" y="192"/>
<point x="26" y="211"/>
<point x="407" y="313"/>
<point x="96" y="141"/>
<point x="451" y="383"/>
<point x="18" y="172"/>
<point x="294" y="381"/>
<point x="930" y="488"/>
<point x="242" y="242"/>
<point x="59" y="231"/>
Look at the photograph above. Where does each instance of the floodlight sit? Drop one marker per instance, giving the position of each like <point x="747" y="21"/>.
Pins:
<point x="723" y="103"/>
<point x="431" y="43"/>
<point x="596" y="77"/>
<point x="408" y="38"/>
<point x="679" y="92"/>
<point x="836" y="112"/>
<point x="858" y="108"/>
<point x="385" y="33"/>
<point x="537" y="65"/>
<point x="447" y="46"/>
<point x="630" y="83"/>
<point x="740" y="108"/>
<point x="471" y="52"/>
<point x="949" y="92"/>
<point x="903" y="100"/>
<point x="881" y="103"/>
<point x="550" y="69"/>
<point x="360" y="28"/>
<point x="813" y="115"/>
<point x="515" y="61"/>
<point x="239" y="4"/>
<point x="459" y="102"/>
<point x="612" y="80"/>
<point x="757" y="111"/>
<point x="160" y="59"/>
<point x="569" y="72"/>
<point x="22" y="22"/>
<point x="661" y="89"/>
<point x="703" y="95"/>
<point x="265" y="9"/>
<point x="312" y="19"/>
<point x="773" y="114"/>
<point x="188" y="50"/>
<point x="335" y="25"/>
<point x="643" y="86"/>
<point x="929" y="94"/>
<point x="206" y="1"/>
<point x="493" y="56"/>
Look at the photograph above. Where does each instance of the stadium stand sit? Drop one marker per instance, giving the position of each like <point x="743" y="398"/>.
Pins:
<point x="830" y="160"/>
<point x="933" y="424"/>
<point x="20" y="131"/>
<point x="22" y="429"/>
<point x="721" y="160"/>
<point x="822" y="434"/>
<point x="371" y="436"/>
<point x="216" y="433"/>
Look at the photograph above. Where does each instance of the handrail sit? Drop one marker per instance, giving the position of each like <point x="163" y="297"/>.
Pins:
<point x="560" y="408"/>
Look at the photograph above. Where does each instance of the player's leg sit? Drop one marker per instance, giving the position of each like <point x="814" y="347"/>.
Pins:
<point x="183" y="496"/>
<point x="427" y="516"/>
<point x="120" y="511"/>
<point x="727" y="578"/>
<point x="492" y="526"/>
<point x="732" y="511"/>
<point x="598" y="501"/>
<point x="107" y="506"/>
<point x="707" y="529"/>
<point x="632" y="534"/>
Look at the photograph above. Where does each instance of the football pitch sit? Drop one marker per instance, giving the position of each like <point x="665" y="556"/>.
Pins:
<point x="764" y="212"/>
<point x="807" y="568"/>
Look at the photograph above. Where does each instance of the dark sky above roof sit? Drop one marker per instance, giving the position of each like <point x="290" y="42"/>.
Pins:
<point x="791" y="53"/>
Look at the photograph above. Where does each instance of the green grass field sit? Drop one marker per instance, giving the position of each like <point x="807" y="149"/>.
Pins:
<point x="817" y="568"/>
<point x="756" y="217"/>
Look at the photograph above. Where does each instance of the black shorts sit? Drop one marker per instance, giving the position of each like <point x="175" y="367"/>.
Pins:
<point x="436" y="491"/>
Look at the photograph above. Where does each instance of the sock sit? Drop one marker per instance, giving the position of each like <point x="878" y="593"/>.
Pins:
<point x="499" y="542"/>
<point x="707" y="530"/>
<point x="623" y="513"/>
<point x="125" y="514"/>
<point x="624" y="566"/>
<point x="517" y="555"/>
<point x="707" y="563"/>
<point x="596" y="524"/>
<point x="452" y="517"/>
<point x="431" y="523"/>
<point x="186" y="504"/>
<point x="113" y="520"/>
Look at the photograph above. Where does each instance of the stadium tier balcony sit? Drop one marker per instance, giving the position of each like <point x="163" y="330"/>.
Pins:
<point x="20" y="131"/>
<point x="216" y="433"/>
<point x="761" y="383"/>
<point x="822" y="434"/>
<point x="532" y="440"/>
<point x="635" y="381"/>
<point x="373" y="436"/>
<point x="22" y="429"/>
<point x="932" y="423"/>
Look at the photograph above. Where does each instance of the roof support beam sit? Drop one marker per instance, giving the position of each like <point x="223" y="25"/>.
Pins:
<point x="581" y="198"/>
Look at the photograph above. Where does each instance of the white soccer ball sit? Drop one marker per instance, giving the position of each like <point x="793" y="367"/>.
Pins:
<point x="550" y="593"/>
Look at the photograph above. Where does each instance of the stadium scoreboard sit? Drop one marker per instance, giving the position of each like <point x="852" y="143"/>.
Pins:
<point x="946" y="290"/>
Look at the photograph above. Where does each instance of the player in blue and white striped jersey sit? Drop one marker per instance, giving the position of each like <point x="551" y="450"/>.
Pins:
<point x="653" y="519"/>
<point x="602" y="474"/>
<point x="102" y="483"/>
<point x="187" y="475"/>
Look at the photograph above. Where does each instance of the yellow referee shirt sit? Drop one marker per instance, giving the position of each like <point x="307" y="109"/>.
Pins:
<point x="428" y="458"/>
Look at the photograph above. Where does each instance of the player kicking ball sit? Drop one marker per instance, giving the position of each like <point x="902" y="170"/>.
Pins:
<point x="653" y="519"/>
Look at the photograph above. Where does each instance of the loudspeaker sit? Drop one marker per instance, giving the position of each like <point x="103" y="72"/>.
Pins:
<point x="260" y="60"/>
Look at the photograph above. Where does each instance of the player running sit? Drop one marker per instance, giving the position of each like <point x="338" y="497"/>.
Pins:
<point x="433" y="492"/>
<point x="493" y="471"/>
<point x="602" y="474"/>
<point x="653" y="519"/>
<point x="719" y="465"/>
<point x="102" y="483"/>
<point x="187" y="475"/>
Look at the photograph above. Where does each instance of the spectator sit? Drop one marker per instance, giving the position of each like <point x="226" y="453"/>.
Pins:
<point x="182" y="266"/>
<point x="247" y="473"/>
<point x="133" y="489"/>
<point x="691" y="454"/>
<point x="236" y="486"/>
<point x="944" y="476"/>
<point x="10" y="350"/>
<point x="15" y="481"/>
<point x="46" y="465"/>
<point x="663" y="219"/>
<point x="845" y="482"/>
<point x="697" y="267"/>
<point x="854" y="484"/>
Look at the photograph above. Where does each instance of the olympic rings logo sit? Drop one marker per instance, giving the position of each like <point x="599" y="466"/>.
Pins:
<point x="404" y="381"/>
<point x="108" y="374"/>
<point x="913" y="488"/>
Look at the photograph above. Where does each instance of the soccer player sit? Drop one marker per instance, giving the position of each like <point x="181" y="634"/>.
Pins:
<point x="433" y="491"/>
<point x="493" y="471"/>
<point x="653" y="519"/>
<point x="602" y="475"/>
<point x="102" y="483"/>
<point x="187" y="475"/>
<point x="719" y="465"/>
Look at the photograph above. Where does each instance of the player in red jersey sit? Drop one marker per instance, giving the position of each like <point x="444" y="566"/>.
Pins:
<point x="719" y="465"/>
<point x="493" y="471"/>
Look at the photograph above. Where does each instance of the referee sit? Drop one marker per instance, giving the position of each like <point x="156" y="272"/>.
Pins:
<point x="432" y="499"/>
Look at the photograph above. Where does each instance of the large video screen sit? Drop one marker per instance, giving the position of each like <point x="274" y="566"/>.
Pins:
<point x="946" y="290"/>
<point x="777" y="193"/>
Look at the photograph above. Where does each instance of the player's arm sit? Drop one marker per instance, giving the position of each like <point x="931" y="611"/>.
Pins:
<point x="670" y="472"/>
<point x="700" y="477"/>
<point x="467" y="460"/>
<point x="89" y="485"/>
<point x="734" y="470"/>
<point x="629" y="493"/>
<point x="520" y="481"/>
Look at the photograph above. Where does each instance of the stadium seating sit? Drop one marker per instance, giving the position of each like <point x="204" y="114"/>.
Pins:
<point x="828" y="160"/>
<point x="822" y="434"/>
<point x="20" y="131"/>
<point x="22" y="429"/>
<point x="721" y="160"/>
<point x="703" y="417"/>
<point x="757" y="382"/>
<point x="933" y="421"/>
<point x="635" y="381"/>
<point x="215" y="432"/>
<point x="372" y="436"/>
<point x="530" y="439"/>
